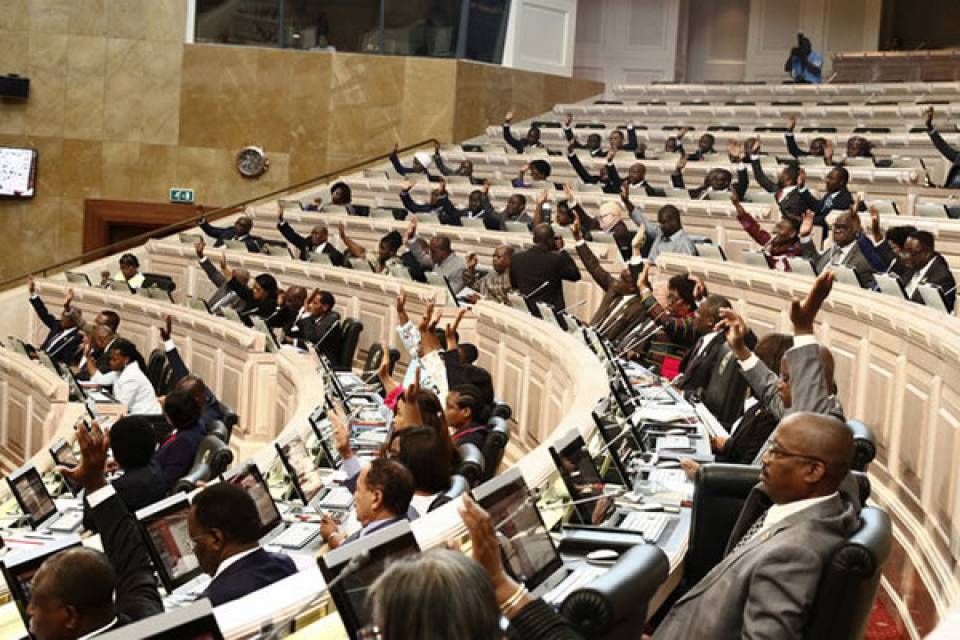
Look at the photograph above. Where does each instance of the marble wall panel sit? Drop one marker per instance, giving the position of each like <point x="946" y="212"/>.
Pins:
<point x="121" y="161"/>
<point x="123" y="89"/>
<point x="269" y="120"/>
<point x="15" y="16"/>
<point x="126" y="18"/>
<point x="160" y="97"/>
<point x="425" y="112"/>
<point x="156" y="172"/>
<point x="49" y="16"/>
<point x="199" y="99"/>
<point x="164" y="20"/>
<point x="87" y="17"/>
<point x="82" y="168"/>
<point x="309" y="105"/>
<point x="84" y="101"/>
<point x="15" y="53"/>
<point x="45" y="114"/>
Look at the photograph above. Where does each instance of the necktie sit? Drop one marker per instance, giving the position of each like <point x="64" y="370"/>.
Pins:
<point x="835" y="255"/>
<point x="751" y="532"/>
<point x="827" y="203"/>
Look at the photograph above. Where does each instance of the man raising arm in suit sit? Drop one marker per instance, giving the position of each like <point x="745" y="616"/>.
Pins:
<point x="73" y="592"/>
<point x="845" y="250"/>
<point x="317" y="242"/>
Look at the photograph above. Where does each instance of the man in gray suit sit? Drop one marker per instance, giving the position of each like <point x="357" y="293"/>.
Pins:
<point x="792" y="520"/>
<point x="223" y="297"/>
<point x="845" y="250"/>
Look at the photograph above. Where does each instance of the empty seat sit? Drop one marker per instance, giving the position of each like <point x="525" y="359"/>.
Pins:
<point x="212" y="459"/>
<point x="350" y="337"/>
<point x="472" y="463"/>
<point x="458" y="486"/>
<point x="493" y="449"/>
<point x="930" y="210"/>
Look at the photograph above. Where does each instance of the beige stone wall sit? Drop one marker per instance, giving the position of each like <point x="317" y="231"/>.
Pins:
<point x="121" y="109"/>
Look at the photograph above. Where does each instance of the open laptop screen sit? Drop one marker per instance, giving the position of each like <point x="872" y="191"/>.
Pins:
<point x="525" y="543"/>
<point x="581" y="477"/>
<point x="330" y="458"/>
<point x="350" y="594"/>
<point x="20" y="567"/>
<point x="300" y="467"/>
<point x="32" y="495"/>
<point x="249" y="477"/>
<point x="168" y="540"/>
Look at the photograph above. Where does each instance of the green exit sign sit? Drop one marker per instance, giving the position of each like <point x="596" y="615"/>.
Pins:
<point x="181" y="195"/>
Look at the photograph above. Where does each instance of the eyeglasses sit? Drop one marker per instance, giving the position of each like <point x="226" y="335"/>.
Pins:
<point x="370" y="632"/>
<point x="777" y="451"/>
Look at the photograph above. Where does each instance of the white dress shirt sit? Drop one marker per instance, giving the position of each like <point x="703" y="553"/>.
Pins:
<point x="918" y="278"/>
<point x="225" y="564"/>
<point x="779" y="512"/>
<point x="134" y="390"/>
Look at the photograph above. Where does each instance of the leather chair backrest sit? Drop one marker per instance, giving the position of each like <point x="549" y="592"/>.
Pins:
<point x="394" y="355"/>
<point x="726" y="388"/>
<point x="159" y="372"/>
<point x="865" y="448"/>
<point x="720" y="492"/>
<point x="850" y="580"/>
<point x="213" y="457"/>
<point x="501" y="410"/>
<point x="375" y="355"/>
<point x="219" y="429"/>
<point x="614" y="606"/>
<point x="458" y="486"/>
<point x="351" y="330"/>
<point x="471" y="464"/>
<point x="498" y="435"/>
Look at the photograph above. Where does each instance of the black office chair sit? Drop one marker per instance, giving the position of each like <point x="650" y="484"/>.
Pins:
<point x="213" y="457"/>
<point x="614" y="606"/>
<point x="371" y="365"/>
<point x="471" y="464"/>
<point x="865" y="448"/>
<point x="219" y="429"/>
<point x="458" y="486"/>
<point x="498" y="435"/>
<point x="501" y="410"/>
<point x="159" y="372"/>
<point x="350" y="336"/>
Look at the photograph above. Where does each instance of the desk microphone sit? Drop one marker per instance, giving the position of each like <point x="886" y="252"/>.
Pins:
<point x="892" y="262"/>
<point x="572" y="306"/>
<point x="948" y="291"/>
<point x="603" y="450"/>
<point x="536" y="291"/>
<point x="563" y="504"/>
<point x="317" y="343"/>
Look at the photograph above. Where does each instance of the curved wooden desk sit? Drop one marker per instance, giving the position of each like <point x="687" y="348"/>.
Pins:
<point x="898" y="370"/>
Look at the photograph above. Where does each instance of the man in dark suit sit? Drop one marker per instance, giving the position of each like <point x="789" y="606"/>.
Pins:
<point x="240" y="231"/>
<point x="317" y="242"/>
<point x="845" y="250"/>
<point x="951" y="154"/>
<point x="538" y="273"/>
<point x="289" y="308"/>
<point x="700" y="360"/>
<point x="790" y="524"/>
<point x="211" y="409"/>
<point x="836" y="196"/>
<point x="176" y="454"/>
<point x="621" y="306"/>
<point x="716" y="181"/>
<point x="64" y="341"/>
<point x="319" y="326"/>
<point x="132" y="441"/>
<point x="223" y="297"/>
<point x="532" y="139"/>
<point x="96" y="358"/>
<point x="817" y="145"/>
<point x="382" y="496"/>
<point x="224" y="526"/>
<point x="920" y="264"/>
<point x="82" y="592"/>
<point x="787" y="188"/>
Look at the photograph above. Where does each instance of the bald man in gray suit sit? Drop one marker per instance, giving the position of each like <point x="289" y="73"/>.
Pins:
<point x="790" y="524"/>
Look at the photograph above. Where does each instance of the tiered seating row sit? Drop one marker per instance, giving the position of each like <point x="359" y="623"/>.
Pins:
<point x="803" y="92"/>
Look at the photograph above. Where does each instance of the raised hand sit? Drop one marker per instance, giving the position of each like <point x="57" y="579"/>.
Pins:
<point x="791" y="122"/>
<point x="279" y="213"/>
<point x="736" y="332"/>
<point x="406" y="185"/>
<point x="803" y="313"/>
<point x="341" y="430"/>
<point x="683" y="131"/>
<point x="486" y="551"/>
<point x="451" y="331"/>
<point x="828" y="149"/>
<point x="199" y="246"/>
<point x="412" y="228"/>
<point x="509" y="117"/>
<point x="643" y="278"/>
<point x="611" y="155"/>
<point x="31" y="285"/>
<point x="542" y="197"/>
<point x="734" y="149"/>
<point x="571" y="148"/>
<point x="396" y="147"/>
<point x="442" y="186"/>
<point x="802" y="178"/>
<point x="875" y="223"/>
<point x="167" y="329"/>
<point x="625" y="192"/>
<point x="68" y="301"/>
<point x="485" y="187"/>
<point x="471" y="262"/>
<point x="928" y="118"/>
<point x="568" y="120"/>
<point x="699" y="289"/>
<point x="806" y="226"/>
<point x="90" y="472"/>
<point x="568" y="192"/>
<point x="681" y="162"/>
<point x="734" y="197"/>
<point x="401" y="302"/>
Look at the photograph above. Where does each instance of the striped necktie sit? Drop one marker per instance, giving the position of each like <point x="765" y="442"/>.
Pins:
<point x="754" y="529"/>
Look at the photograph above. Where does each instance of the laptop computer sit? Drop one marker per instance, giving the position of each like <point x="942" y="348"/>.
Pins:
<point x="755" y="259"/>
<point x="193" y="622"/>
<point x="620" y="444"/>
<point x="276" y="248"/>
<point x="198" y="304"/>
<point x="801" y="266"/>
<point x="272" y="345"/>
<point x="231" y="314"/>
<point x="20" y="566"/>
<point x="37" y="505"/>
<point x="62" y="453"/>
<point x="290" y="205"/>
<point x="306" y="480"/>
<point x="349" y="594"/>
<point x="165" y="533"/>
<point x="75" y="277"/>
<point x="327" y="456"/>
<point x="933" y="297"/>
<point x="710" y="251"/>
<point x="122" y="286"/>
<point x="273" y="531"/>
<point x="846" y="275"/>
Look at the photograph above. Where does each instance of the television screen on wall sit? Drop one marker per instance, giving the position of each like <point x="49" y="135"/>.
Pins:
<point x="18" y="172"/>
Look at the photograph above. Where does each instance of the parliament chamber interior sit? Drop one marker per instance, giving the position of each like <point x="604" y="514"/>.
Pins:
<point x="480" y="319"/>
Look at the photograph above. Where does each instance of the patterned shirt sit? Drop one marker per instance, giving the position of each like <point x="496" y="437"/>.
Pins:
<point x="494" y="286"/>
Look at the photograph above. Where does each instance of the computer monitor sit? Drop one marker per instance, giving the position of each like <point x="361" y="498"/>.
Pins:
<point x="528" y="551"/>
<point x="350" y="594"/>
<point x="249" y="477"/>
<point x="75" y="277"/>
<point x="932" y="296"/>
<point x="298" y="463"/>
<point x="62" y="453"/>
<point x="32" y="495"/>
<point x="329" y="456"/>
<point x="619" y="443"/>
<point x="324" y="366"/>
<point x="165" y="532"/>
<point x="581" y="477"/>
<point x="193" y="622"/>
<point x="261" y="326"/>
<point x="20" y="566"/>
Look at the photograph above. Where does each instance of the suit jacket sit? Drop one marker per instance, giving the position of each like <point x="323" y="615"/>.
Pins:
<point x="951" y="154"/>
<point x="842" y="200"/>
<point x="939" y="274"/>
<point x="310" y="330"/>
<point x="137" y="488"/>
<point x="174" y="458"/>
<point x="212" y="409"/>
<point x="766" y="588"/>
<point x="854" y="259"/>
<point x="791" y="206"/>
<point x="265" y="308"/>
<point x="61" y="345"/>
<point x="251" y="573"/>
<point x="531" y="268"/>
<point x="627" y="315"/>
<point x="610" y="185"/>
<point x="223" y="296"/>
<point x="696" y="366"/>
<point x="739" y="187"/>
<point x="222" y="234"/>
<point x="136" y="596"/>
<point x="306" y="247"/>
<point x="750" y="435"/>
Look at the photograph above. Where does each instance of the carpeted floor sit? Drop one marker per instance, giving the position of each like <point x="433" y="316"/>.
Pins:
<point x="882" y="625"/>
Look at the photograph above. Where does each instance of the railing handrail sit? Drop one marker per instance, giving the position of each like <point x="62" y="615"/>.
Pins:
<point x="210" y="215"/>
